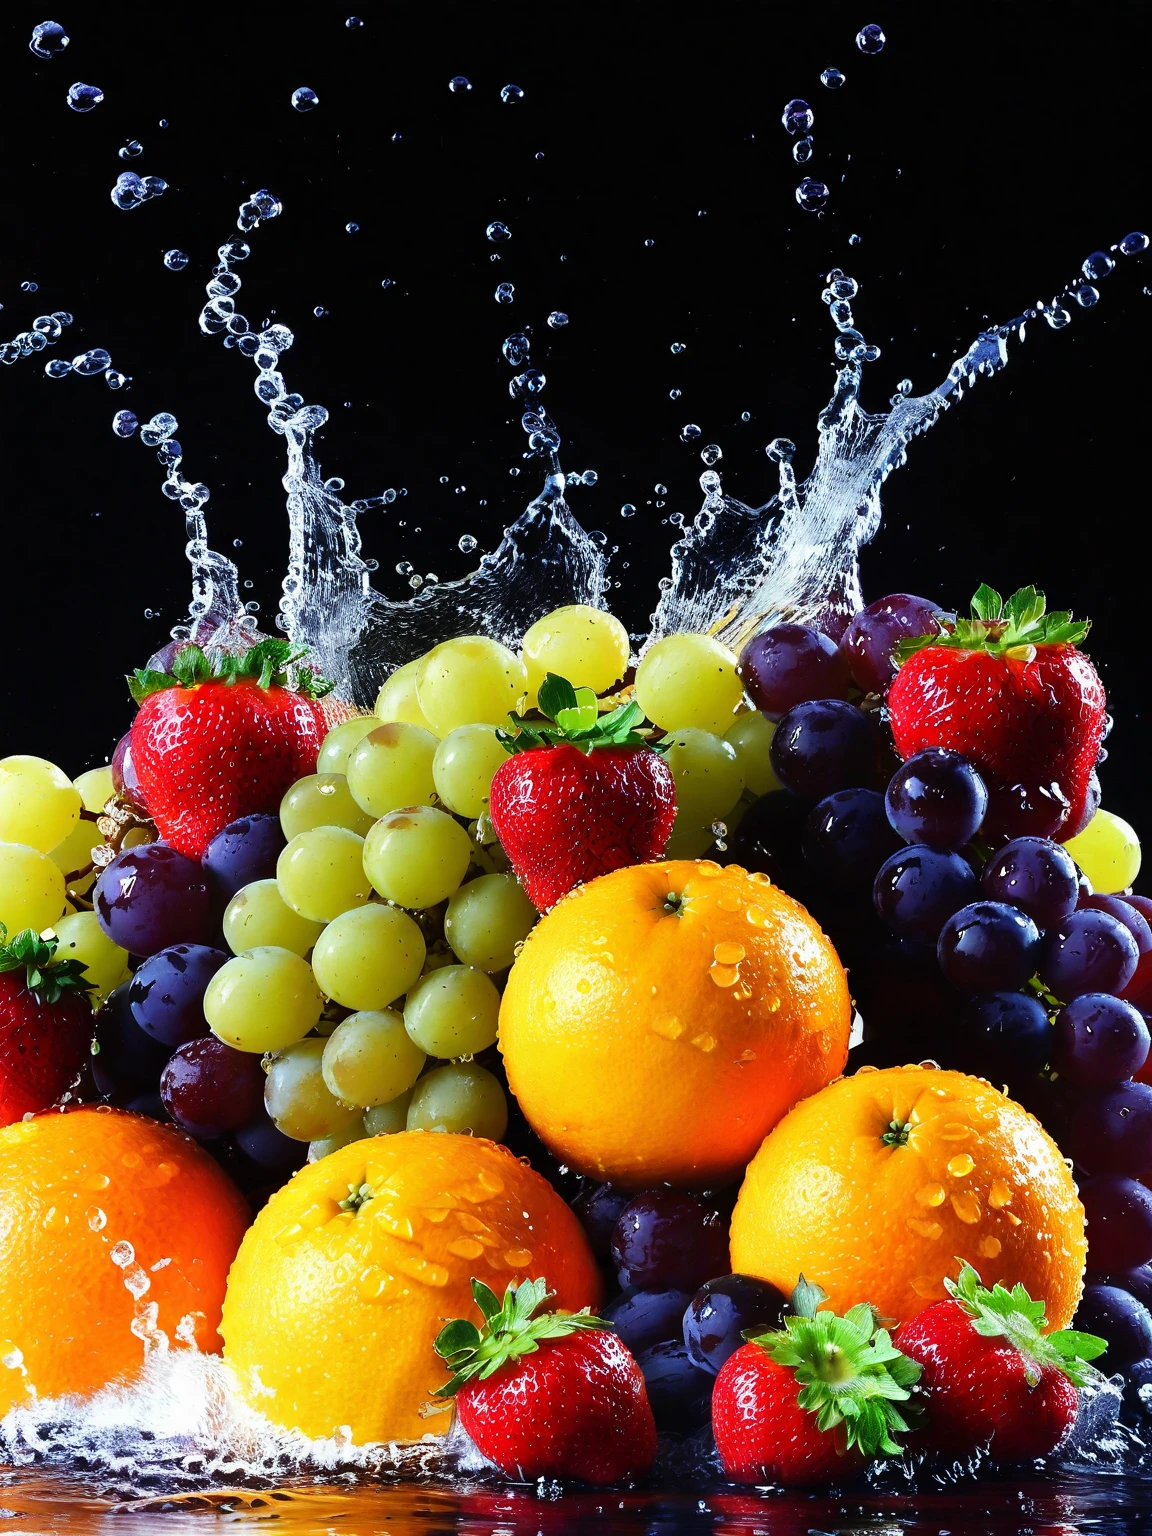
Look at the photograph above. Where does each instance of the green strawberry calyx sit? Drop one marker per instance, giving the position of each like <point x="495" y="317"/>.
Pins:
<point x="510" y="1329"/>
<point x="1012" y="628"/>
<point x="267" y="664"/>
<point x="577" y="721"/>
<point x="849" y="1372"/>
<point x="45" y="977"/>
<point x="1013" y="1315"/>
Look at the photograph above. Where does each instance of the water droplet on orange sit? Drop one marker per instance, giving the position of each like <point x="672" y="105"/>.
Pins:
<point x="670" y="1028"/>
<point x="931" y="1194"/>
<point x="727" y="952"/>
<point x="954" y="1131"/>
<point x="723" y="975"/>
<point x="466" y="1248"/>
<point x="967" y="1207"/>
<point x="988" y="1247"/>
<point x="999" y="1195"/>
<point x="928" y="1229"/>
<point x="931" y="1287"/>
<point x="704" y="1042"/>
<point x="709" y="869"/>
<point x="961" y="1165"/>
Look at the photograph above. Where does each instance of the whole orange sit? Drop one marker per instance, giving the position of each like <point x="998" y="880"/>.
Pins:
<point x="878" y="1187"/>
<point x="353" y="1267"/>
<point x="661" y="1019"/>
<point x="114" y="1232"/>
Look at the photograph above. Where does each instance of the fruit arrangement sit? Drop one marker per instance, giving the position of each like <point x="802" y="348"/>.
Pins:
<point x="615" y="932"/>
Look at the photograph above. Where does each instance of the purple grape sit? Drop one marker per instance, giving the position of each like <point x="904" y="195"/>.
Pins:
<point x="643" y="1318"/>
<point x="1099" y="1040"/>
<point x="151" y="897"/>
<point x="265" y="1144"/>
<point x="988" y="946"/>
<point x="918" y="889"/>
<point x="1143" y="905"/>
<point x="1088" y="951"/>
<point x="1036" y="875"/>
<point x="1119" y="1216"/>
<point x="790" y="664"/>
<point x="1025" y="810"/>
<point x="666" y="1240"/>
<point x="822" y="746"/>
<point x="1117" y="1316"/>
<point x="1112" y="1131"/>
<point x="722" y="1309"/>
<point x="150" y="1104"/>
<point x="124" y="780"/>
<point x="210" y="1089"/>
<point x="847" y="838"/>
<point x="167" y="992"/>
<point x="246" y="850"/>
<point x="1124" y="912"/>
<point x="678" y="1390"/>
<point x="936" y="798"/>
<point x="875" y="632"/>
<point x="1003" y="1036"/>
<point x="598" y="1207"/>
<point x="127" y="1060"/>
<point x="768" y="839"/>
<point x="1137" y="1281"/>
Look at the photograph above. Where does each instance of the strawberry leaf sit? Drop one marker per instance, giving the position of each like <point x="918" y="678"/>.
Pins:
<point x="555" y="694"/>
<point x="511" y="1328"/>
<point x="1000" y="628"/>
<point x="45" y="977"/>
<point x="1013" y="1315"/>
<point x="268" y="664"/>
<point x="987" y="604"/>
<point x="576" y="719"/>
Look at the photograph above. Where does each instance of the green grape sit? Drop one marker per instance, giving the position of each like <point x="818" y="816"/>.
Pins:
<point x="75" y="852"/>
<point x="586" y="645"/>
<point x="752" y="736"/>
<point x="82" y="938"/>
<point x="369" y="956"/>
<point x="321" y="873"/>
<point x="689" y="680"/>
<point x="471" y="679"/>
<point x="39" y="804"/>
<point x="459" y="1097"/>
<point x="31" y="888"/>
<point x="321" y="800"/>
<point x="387" y="1119"/>
<point x="709" y="778"/>
<point x="96" y="788"/>
<point x="334" y="749"/>
<point x="1108" y="851"/>
<point x="258" y="916"/>
<point x="689" y="840"/>
<point x="263" y="1000"/>
<point x="417" y="856"/>
<point x="369" y="1059"/>
<point x="297" y="1097"/>
<point x="397" y="698"/>
<point x="392" y="767"/>
<point x="486" y="919"/>
<point x="453" y="1011"/>
<point x="464" y="766"/>
<point x="356" y="1131"/>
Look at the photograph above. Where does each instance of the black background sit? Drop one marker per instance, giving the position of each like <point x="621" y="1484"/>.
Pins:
<point x="980" y="157"/>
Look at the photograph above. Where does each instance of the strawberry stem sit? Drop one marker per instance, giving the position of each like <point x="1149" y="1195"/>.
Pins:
<point x="1011" y="628"/>
<point x="1013" y="1315"/>
<point x="45" y="977"/>
<point x="510" y="1329"/>
<point x="577" y="721"/>
<point x="266" y="664"/>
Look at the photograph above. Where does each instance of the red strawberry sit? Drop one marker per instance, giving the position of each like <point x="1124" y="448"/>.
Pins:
<point x="991" y="1375"/>
<point x="214" y="741"/>
<point x="1008" y="689"/>
<point x="45" y="1023"/>
<point x="579" y="798"/>
<point x="812" y="1402"/>
<point x="547" y="1394"/>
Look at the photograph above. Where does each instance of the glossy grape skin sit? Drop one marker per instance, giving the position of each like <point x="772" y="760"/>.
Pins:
<point x="396" y="703"/>
<point x="152" y="897"/>
<point x="258" y="916"/>
<point x="667" y="1240"/>
<point x="1137" y="1281"/>
<point x="707" y="771"/>
<point x="1098" y="1040"/>
<point x="588" y="646"/>
<point x="263" y="1000"/>
<point x="1003" y="1036"/>
<point x="688" y="680"/>
<point x="721" y="1309"/>
<point x="874" y="633"/>
<point x="598" y="1206"/>
<point x="124" y="778"/>
<point x="486" y="919"/>
<point x="467" y="680"/>
<point x="128" y="1060"/>
<point x="463" y="768"/>
<point x="822" y="746"/>
<point x="210" y="1089"/>
<point x="1123" y="911"/>
<point x="354" y="1131"/>
<point x="1088" y="951"/>
<point x="1034" y="874"/>
<point x="1118" y="1211"/>
<point x="246" y="850"/>
<point x="918" y="889"/>
<point x="321" y="873"/>
<point x="679" y="1392"/>
<point x="459" y="1097"/>
<point x="936" y="798"/>
<point x="417" y="856"/>
<point x="334" y="749"/>
<point x="790" y="664"/>
<point x="368" y="957"/>
<point x="96" y="787"/>
<point x="988" y="946"/>
<point x="31" y="888"/>
<point x="82" y="938"/>
<point x="1115" y="1315"/>
<point x="266" y="1145"/>
<point x="297" y="1097"/>
<point x="751" y="735"/>
<point x="321" y="800"/>
<point x="846" y="839"/>
<point x="392" y="767"/>
<point x="453" y="1011"/>
<point x="1112" y="1131"/>
<point x="644" y="1318"/>
<point x="167" y="992"/>
<point x="387" y="1119"/>
<point x="39" y="804"/>
<point x="369" y="1059"/>
<point x="1108" y="851"/>
<point x="769" y="838"/>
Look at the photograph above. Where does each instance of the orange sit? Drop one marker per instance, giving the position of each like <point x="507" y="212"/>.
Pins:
<point x="661" y="1019"/>
<point x="115" y="1233"/>
<point x="877" y="1186"/>
<point x="331" y="1312"/>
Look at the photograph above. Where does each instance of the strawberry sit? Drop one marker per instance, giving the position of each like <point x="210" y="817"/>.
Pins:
<point x="811" y="1402"/>
<point x="547" y="1394"/>
<point x="580" y="797"/>
<point x="216" y="740"/>
<point x="1008" y="689"/>
<point x="45" y="1023"/>
<point x="991" y="1375"/>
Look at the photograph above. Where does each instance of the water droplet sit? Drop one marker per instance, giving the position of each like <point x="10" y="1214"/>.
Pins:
<point x="797" y="116"/>
<point x="673" y="394"/>
<point x="304" y="98"/>
<point x="94" y="361"/>
<point x="678" y="347"/>
<point x="728" y="952"/>
<point x="961" y="1165"/>
<point x="505" y="293"/>
<point x="557" y="319"/>
<point x="854" y="239"/>
<point x="931" y="1195"/>
<point x="115" y="379"/>
<point x="930" y="1287"/>
<point x="1133" y="244"/>
<point x="512" y="93"/>
<point x="122" y="1254"/>
<point x="999" y="1195"/>
<point x="498" y="231"/>
<point x="689" y="432"/>
<point x="870" y="39"/>
<point x="802" y="150"/>
<point x="124" y="423"/>
<point x="48" y="39"/>
<point x="518" y="1258"/>
<point x="82" y="98"/>
<point x="466" y="543"/>
<point x="97" y="1220"/>
<point x="811" y="194"/>
<point x="1086" y="296"/>
<point x="627" y="510"/>
<point x="1096" y="266"/>
<point x="29" y="287"/>
<point x="57" y="368"/>
<point x="712" y="453"/>
<point x="781" y="450"/>
<point x="745" y="415"/>
<point x="175" y="260"/>
<point x="649" y="242"/>
<point x="351" y="229"/>
<point x="967" y="1207"/>
<point x="989" y="1247"/>
<point x="516" y="348"/>
<point x="353" y="22"/>
<point x="130" y="150"/>
<point x="927" y="1229"/>
<point x="832" y="78"/>
<point x="1057" y="316"/>
<point x="459" y="83"/>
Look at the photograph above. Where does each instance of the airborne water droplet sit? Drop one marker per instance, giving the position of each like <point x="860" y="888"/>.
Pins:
<point x="811" y="194"/>
<point x="832" y="78"/>
<point x="82" y="98"/>
<point x="870" y="39"/>
<point x="304" y="99"/>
